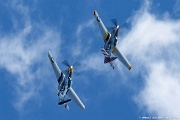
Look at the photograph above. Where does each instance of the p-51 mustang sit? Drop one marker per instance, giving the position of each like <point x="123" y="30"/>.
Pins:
<point x="65" y="91"/>
<point x="110" y="40"/>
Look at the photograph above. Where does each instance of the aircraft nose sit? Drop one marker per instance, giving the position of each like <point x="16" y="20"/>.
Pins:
<point x="117" y="26"/>
<point x="71" y="68"/>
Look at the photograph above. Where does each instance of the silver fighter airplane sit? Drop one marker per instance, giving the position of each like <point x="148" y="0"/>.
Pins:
<point x="110" y="40"/>
<point x="64" y="90"/>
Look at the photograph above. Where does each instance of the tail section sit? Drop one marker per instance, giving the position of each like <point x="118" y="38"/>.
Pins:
<point x="104" y="52"/>
<point x="108" y="58"/>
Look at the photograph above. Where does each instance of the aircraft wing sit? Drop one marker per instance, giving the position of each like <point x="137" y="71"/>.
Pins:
<point x="58" y="73"/>
<point x="121" y="57"/>
<point x="104" y="32"/>
<point x="75" y="98"/>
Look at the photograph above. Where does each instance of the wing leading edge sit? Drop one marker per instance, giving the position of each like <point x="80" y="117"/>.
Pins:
<point x="104" y="32"/>
<point x="121" y="57"/>
<point x="58" y="73"/>
<point x="71" y="93"/>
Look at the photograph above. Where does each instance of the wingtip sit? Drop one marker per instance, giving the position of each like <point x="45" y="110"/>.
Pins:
<point x="83" y="108"/>
<point x="130" y="67"/>
<point x="95" y="13"/>
<point x="49" y="53"/>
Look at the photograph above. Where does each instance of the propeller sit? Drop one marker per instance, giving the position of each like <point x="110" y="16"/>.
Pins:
<point x="114" y="21"/>
<point x="110" y="28"/>
<point x="75" y="65"/>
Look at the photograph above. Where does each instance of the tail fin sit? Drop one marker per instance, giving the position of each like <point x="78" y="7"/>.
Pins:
<point x="108" y="58"/>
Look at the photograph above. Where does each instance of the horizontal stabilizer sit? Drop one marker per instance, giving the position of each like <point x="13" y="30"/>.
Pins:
<point x="62" y="102"/>
<point x="109" y="59"/>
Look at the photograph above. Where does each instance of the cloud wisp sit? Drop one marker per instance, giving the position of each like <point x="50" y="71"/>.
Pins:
<point x="153" y="43"/>
<point x="24" y="53"/>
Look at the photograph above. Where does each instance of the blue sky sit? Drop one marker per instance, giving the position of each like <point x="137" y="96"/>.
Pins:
<point x="28" y="30"/>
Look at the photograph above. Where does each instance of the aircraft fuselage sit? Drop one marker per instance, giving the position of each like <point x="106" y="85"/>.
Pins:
<point x="112" y="40"/>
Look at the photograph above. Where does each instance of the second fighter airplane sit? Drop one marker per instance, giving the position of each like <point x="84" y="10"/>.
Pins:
<point x="110" y="41"/>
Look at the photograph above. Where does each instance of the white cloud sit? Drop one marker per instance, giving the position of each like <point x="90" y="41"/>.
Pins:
<point x="176" y="8"/>
<point x="83" y="41"/>
<point x="161" y="93"/>
<point x="24" y="54"/>
<point x="153" y="43"/>
<point x="95" y="61"/>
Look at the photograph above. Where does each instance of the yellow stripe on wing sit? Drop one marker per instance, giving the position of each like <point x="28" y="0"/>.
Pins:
<point x="114" y="50"/>
<point x="106" y="35"/>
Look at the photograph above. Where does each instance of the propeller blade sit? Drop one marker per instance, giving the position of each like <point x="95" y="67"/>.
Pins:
<point x="65" y="62"/>
<point x="125" y="25"/>
<point x="110" y="28"/>
<point x="114" y="21"/>
<point x="76" y="64"/>
<point x="64" y="71"/>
